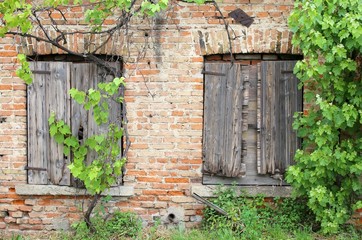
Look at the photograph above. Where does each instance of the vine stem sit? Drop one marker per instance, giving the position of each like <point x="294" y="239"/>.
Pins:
<point x="89" y="211"/>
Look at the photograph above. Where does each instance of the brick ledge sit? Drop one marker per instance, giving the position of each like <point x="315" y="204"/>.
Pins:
<point x="29" y="189"/>
<point x="267" y="191"/>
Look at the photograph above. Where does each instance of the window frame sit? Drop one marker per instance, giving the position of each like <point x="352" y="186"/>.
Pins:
<point x="47" y="69"/>
<point x="267" y="178"/>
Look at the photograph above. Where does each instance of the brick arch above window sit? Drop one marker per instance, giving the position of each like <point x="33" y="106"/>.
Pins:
<point x="255" y="39"/>
<point x="77" y="43"/>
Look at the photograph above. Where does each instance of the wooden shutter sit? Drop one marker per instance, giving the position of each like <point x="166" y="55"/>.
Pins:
<point x="279" y="100"/>
<point x="48" y="93"/>
<point x="226" y="99"/>
<point x="85" y="76"/>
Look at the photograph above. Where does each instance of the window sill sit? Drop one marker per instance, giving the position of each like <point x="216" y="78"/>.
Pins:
<point x="267" y="191"/>
<point x="28" y="189"/>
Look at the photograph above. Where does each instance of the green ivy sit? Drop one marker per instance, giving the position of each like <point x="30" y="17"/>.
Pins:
<point x="329" y="165"/>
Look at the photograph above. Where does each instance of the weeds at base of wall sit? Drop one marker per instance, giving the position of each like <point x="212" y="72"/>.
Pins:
<point x="161" y="233"/>
<point x="121" y="225"/>
<point x="255" y="218"/>
<point x="250" y="218"/>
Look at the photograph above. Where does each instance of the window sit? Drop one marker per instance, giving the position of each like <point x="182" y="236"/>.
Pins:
<point x="49" y="93"/>
<point x="248" y="114"/>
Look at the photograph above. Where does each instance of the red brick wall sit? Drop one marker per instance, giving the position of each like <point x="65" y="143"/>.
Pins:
<point x="164" y="102"/>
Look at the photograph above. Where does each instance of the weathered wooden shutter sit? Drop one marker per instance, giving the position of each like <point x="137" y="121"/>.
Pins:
<point x="85" y="76"/>
<point x="279" y="100"/>
<point x="226" y="99"/>
<point x="48" y="93"/>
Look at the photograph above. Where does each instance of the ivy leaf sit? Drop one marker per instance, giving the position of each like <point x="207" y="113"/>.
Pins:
<point x="77" y="95"/>
<point x="66" y="150"/>
<point x="99" y="139"/>
<point x="53" y="130"/>
<point x="91" y="142"/>
<point x="59" y="138"/>
<point x="71" y="141"/>
<point x="65" y="129"/>
<point x="51" y="119"/>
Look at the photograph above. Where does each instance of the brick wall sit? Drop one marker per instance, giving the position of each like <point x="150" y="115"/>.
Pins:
<point x="164" y="102"/>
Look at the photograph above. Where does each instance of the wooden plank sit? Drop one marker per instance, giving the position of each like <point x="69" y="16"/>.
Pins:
<point x="233" y="126"/>
<point x="279" y="100"/>
<point x="213" y="106"/>
<point x="223" y="125"/>
<point x="250" y="75"/>
<point x="267" y="130"/>
<point x="259" y="104"/>
<point x="47" y="94"/>
<point x="37" y="125"/>
<point x="58" y="102"/>
<point x="114" y="106"/>
<point x="248" y="180"/>
<point x="295" y="105"/>
<point x="85" y="76"/>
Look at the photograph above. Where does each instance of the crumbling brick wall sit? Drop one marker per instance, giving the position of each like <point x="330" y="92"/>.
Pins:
<point x="164" y="103"/>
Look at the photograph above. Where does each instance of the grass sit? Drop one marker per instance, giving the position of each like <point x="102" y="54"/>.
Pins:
<point x="271" y="232"/>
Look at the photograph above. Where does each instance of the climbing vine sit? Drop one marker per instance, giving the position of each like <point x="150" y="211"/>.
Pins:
<point x="104" y="170"/>
<point x="35" y="20"/>
<point x="329" y="166"/>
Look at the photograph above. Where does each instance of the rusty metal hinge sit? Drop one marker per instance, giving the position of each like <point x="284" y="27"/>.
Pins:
<point x="213" y="73"/>
<point x="41" y="72"/>
<point x="35" y="168"/>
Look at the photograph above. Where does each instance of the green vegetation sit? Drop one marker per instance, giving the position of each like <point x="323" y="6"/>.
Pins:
<point x="119" y="224"/>
<point x="253" y="217"/>
<point x="329" y="165"/>
<point x="103" y="171"/>
<point x="250" y="218"/>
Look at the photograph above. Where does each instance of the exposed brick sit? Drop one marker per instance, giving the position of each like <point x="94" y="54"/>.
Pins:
<point x="16" y="214"/>
<point x="30" y="202"/>
<point x="182" y="199"/>
<point x="155" y="192"/>
<point x="149" y="179"/>
<point x="177" y="180"/>
<point x="10" y="220"/>
<point x="2" y="225"/>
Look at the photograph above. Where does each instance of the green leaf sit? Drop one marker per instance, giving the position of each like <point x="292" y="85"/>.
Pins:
<point x="59" y="138"/>
<point x="78" y="96"/>
<point x="71" y="142"/>
<point x="91" y="142"/>
<point x="53" y="130"/>
<point x="65" y="129"/>
<point x="51" y="119"/>
<point x="99" y="139"/>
